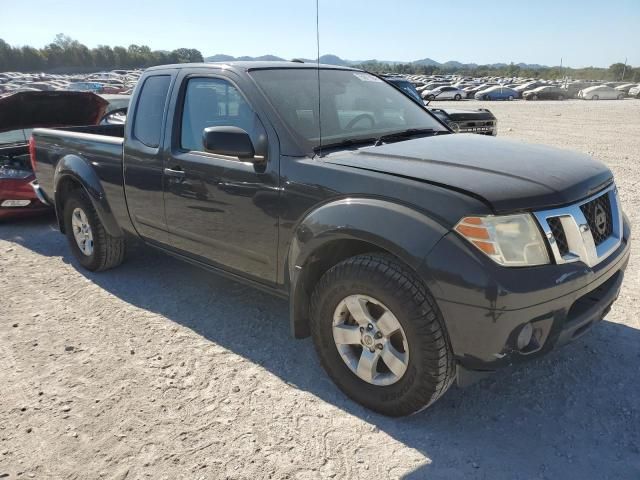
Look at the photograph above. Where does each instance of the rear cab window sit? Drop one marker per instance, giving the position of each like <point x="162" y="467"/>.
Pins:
<point x="147" y="124"/>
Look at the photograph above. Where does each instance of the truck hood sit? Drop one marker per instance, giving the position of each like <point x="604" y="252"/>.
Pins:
<point x="25" y="110"/>
<point x="508" y="175"/>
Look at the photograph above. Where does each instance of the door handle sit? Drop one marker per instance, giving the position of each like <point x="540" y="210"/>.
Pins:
<point x="174" y="172"/>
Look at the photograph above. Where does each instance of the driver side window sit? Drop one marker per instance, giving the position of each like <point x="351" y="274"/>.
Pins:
<point x="212" y="102"/>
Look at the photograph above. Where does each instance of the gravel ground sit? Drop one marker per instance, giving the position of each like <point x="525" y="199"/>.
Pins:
<point x="160" y="370"/>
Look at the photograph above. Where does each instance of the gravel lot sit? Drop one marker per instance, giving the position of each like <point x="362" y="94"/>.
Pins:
<point x="160" y="370"/>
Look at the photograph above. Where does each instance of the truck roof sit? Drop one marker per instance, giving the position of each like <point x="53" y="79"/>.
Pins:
<point x="250" y="65"/>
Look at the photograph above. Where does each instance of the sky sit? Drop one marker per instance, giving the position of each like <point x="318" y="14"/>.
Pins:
<point x="581" y="32"/>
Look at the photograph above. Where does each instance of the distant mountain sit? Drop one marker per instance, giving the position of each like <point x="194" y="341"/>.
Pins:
<point x="532" y="66"/>
<point x="330" y="59"/>
<point x="262" y="58"/>
<point x="220" y="58"/>
<point x="334" y="60"/>
<point x="455" y="64"/>
<point x="427" y="62"/>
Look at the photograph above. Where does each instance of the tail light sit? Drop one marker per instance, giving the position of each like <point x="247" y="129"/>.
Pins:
<point x="32" y="153"/>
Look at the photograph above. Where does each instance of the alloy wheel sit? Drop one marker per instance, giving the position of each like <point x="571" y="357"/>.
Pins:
<point x="82" y="231"/>
<point x="370" y="340"/>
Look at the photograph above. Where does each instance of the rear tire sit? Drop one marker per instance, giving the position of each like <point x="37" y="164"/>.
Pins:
<point x="90" y="243"/>
<point x="621" y="97"/>
<point x="385" y="289"/>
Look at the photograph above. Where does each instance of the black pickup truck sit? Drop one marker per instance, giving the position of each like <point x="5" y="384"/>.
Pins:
<point x="412" y="256"/>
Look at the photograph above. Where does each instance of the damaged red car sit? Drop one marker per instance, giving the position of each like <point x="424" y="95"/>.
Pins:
<point x="19" y="114"/>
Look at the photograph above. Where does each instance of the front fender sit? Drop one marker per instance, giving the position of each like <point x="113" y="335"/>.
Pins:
<point x="400" y="230"/>
<point x="77" y="169"/>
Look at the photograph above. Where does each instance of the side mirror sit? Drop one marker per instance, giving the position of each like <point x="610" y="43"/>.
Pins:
<point x="230" y="141"/>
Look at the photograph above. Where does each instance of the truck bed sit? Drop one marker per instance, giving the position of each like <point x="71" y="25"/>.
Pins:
<point x="99" y="146"/>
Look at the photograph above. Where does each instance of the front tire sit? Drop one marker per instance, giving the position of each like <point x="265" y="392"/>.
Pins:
<point x="595" y="97"/>
<point x="90" y="243"/>
<point x="457" y="97"/>
<point x="380" y="336"/>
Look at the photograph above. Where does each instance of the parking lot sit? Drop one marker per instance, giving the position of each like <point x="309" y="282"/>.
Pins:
<point x="160" y="370"/>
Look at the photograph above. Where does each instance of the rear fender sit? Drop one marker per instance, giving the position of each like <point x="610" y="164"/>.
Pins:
<point x="397" y="229"/>
<point x="76" y="169"/>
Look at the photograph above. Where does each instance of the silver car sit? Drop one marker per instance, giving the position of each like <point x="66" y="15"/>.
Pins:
<point x="601" y="92"/>
<point x="444" y="93"/>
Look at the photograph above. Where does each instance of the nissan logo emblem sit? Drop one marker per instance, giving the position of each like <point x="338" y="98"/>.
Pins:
<point x="600" y="218"/>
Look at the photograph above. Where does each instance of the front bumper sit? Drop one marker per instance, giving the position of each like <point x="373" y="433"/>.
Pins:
<point x="485" y="306"/>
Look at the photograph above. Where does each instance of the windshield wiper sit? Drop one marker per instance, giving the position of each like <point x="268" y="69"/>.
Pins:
<point x="349" y="142"/>
<point x="405" y="134"/>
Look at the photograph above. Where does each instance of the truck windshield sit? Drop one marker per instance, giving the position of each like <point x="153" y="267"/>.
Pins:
<point x="15" y="136"/>
<point x="353" y="105"/>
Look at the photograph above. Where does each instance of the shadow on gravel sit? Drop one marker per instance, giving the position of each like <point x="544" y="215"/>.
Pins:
<point x="572" y="414"/>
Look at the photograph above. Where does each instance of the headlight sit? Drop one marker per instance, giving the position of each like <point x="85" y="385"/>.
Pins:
<point x="510" y="240"/>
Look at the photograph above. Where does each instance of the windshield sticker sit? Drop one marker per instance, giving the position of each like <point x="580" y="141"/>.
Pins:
<point x="365" y="77"/>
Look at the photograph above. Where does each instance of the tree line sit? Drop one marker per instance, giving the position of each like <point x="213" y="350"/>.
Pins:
<point x="616" y="72"/>
<point x="67" y="54"/>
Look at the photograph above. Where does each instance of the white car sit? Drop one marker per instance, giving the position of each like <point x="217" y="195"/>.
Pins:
<point x="625" y="87"/>
<point x="444" y="93"/>
<point x="635" y="91"/>
<point x="601" y="92"/>
<point x="431" y="86"/>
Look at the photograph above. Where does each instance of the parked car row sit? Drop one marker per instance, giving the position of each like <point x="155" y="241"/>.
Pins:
<point x="455" y="87"/>
<point x="480" y="121"/>
<point x="118" y="81"/>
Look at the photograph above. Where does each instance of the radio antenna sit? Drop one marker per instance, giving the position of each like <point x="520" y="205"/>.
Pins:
<point x="318" y="65"/>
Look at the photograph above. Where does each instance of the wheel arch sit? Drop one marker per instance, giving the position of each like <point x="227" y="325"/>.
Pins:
<point x="348" y="227"/>
<point x="72" y="173"/>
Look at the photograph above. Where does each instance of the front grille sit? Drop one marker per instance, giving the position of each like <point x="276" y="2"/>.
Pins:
<point x="598" y="215"/>
<point x="588" y="232"/>
<point x="483" y="127"/>
<point x="558" y="233"/>
<point x="476" y="123"/>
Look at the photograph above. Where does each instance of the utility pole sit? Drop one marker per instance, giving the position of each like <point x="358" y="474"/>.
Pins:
<point x="624" y="70"/>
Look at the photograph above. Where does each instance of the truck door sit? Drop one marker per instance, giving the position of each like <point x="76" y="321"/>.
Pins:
<point x="143" y="168"/>
<point x="220" y="210"/>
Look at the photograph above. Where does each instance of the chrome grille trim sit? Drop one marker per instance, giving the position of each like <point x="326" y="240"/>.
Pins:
<point x="578" y="234"/>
